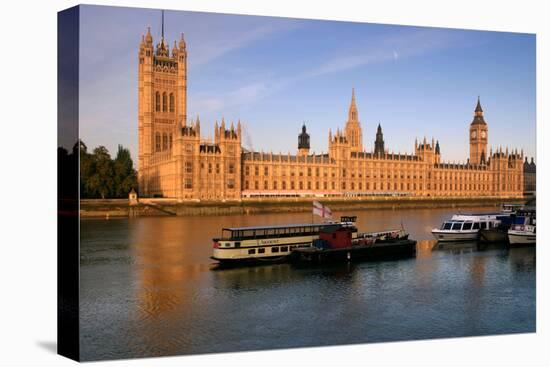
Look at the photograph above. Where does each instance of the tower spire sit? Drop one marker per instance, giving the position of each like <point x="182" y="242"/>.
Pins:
<point x="162" y="26"/>
<point x="379" y="142"/>
<point x="353" y="131"/>
<point x="353" y="107"/>
<point x="478" y="110"/>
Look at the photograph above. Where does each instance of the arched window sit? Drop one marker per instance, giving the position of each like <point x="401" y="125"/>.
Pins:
<point x="171" y="102"/>
<point x="164" y="141"/>
<point x="170" y="141"/>
<point x="157" y="101"/>
<point x="157" y="142"/>
<point x="164" y="102"/>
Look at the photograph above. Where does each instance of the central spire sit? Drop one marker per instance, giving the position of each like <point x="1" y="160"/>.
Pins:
<point x="352" y="114"/>
<point x="353" y="132"/>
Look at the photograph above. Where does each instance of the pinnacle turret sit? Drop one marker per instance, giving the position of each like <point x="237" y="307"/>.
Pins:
<point x="182" y="43"/>
<point x="303" y="139"/>
<point x="148" y="37"/>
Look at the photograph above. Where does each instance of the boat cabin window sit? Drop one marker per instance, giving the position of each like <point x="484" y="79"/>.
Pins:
<point x="476" y="225"/>
<point x="237" y="244"/>
<point x="274" y="249"/>
<point x="261" y="250"/>
<point x="483" y="225"/>
<point x="457" y="226"/>
<point x="447" y="225"/>
<point x="242" y="234"/>
<point x="252" y="251"/>
<point x="467" y="225"/>
<point x="284" y="249"/>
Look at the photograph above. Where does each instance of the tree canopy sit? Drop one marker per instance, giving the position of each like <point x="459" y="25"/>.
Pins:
<point x="104" y="177"/>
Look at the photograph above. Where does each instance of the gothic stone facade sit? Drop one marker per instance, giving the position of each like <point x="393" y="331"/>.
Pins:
<point x="529" y="177"/>
<point x="175" y="162"/>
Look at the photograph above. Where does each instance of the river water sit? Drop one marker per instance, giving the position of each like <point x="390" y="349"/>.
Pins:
<point x="149" y="288"/>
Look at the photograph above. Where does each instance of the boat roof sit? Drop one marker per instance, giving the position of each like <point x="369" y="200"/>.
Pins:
<point x="482" y="216"/>
<point x="479" y="214"/>
<point x="282" y="226"/>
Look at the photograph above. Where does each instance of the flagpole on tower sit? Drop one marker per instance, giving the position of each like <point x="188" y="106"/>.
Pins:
<point x="162" y="25"/>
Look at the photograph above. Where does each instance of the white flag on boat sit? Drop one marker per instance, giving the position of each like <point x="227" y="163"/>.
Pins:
<point x="321" y="210"/>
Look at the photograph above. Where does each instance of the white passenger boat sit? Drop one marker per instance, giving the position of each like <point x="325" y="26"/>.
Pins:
<point x="524" y="234"/>
<point x="270" y="243"/>
<point x="465" y="227"/>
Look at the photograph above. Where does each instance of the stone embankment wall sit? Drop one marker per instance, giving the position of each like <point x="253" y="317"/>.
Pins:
<point x="168" y="207"/>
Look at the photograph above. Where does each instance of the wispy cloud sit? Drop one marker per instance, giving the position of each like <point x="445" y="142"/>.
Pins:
<point x="384" y="49"/>
<point x="215" y="47"/>
<point x="242" y="95"/>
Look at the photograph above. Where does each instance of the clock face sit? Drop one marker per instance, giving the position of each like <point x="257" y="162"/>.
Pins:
<point x="483" y="134"/>
<point x="474" y="134"/>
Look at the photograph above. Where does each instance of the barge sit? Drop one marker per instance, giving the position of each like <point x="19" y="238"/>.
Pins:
<point x="337" y="244"/>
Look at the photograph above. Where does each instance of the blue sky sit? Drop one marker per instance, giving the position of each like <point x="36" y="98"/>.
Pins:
<point x="275" y="73"/>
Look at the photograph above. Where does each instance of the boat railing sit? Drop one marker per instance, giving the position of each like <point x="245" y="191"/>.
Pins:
<point x="391" y="233"/>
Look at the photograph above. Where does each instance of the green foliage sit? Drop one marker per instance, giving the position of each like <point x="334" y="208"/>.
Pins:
<point x="124" y="173"/>
<point x="103" y="177"/>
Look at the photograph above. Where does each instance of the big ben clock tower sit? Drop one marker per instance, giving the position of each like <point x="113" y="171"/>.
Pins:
<point x="479" y="134"/>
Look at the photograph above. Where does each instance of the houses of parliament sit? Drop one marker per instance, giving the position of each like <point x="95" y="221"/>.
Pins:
<point x="175" y="162"/>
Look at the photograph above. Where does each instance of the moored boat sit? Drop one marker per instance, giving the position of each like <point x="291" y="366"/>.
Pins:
<point x="338" y="245"/>
<point x="271" y="243"/>
<point x="499" y="233"/>
<point x="466" y="227"/>
<point x="524" y="233"/>
<point x="508" y="208"/>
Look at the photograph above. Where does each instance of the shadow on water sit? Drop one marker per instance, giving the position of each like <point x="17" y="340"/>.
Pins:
<point x="459" y="247"/>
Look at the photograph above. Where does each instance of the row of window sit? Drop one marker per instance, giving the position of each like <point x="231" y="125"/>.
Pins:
<point x="457" y="226"/>
<point x="188" y="183"/>
<point x="375" y="186"/>
<point x="210" y="166"/>
<point x="476" y="177"/>
<point x="274" y="250"/>
<point x="317" y="172"/>
<point x="163" y="142"/>
<point x="167" y="102"/>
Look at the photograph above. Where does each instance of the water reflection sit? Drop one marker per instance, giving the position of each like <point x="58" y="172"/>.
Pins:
<point x="163" y="298"/>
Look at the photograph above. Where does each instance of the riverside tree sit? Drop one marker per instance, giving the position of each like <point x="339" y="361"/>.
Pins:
<point x="104" y="177"/>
